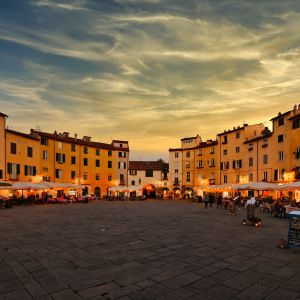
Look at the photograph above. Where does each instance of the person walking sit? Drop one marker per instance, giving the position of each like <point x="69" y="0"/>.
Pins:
<point x="211" y="199"/>
<point x="219" y="201"/>
<point x="206" y="200"/>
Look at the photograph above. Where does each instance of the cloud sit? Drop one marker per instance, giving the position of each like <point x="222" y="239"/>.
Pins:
<point x="150" y="71"/>
<point x="59" y="5"/>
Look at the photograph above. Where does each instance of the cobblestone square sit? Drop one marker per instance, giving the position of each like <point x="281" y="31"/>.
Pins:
<point x="152" y="249"/>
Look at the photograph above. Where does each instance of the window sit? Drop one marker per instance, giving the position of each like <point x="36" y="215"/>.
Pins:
<point x="29" y="151"/>
<point x="281" y="122"/>
<point x="188" y="176"/>
<point x="225" y="152"/>
<point x="122" y="179"/>
<point x="85" y="161"/>
<point x="45" y="154"/>
<point x="97" y="163"/>
<point x="1" y="174"/>
<point x="238" y="135"/>
<point x="73" y="174"/>
<point x="237" y="178"/>
<point x="29" y="170"/>
<point x="73" y="160"/>
<point x="265" y="144"/>
<point x="140" y="180"/>
<point x="73" y="147"/>
<point x="280" y="156"/>
<point x="59" y="145"/>
<point x="45" y="169"/>
<point x="176" y="180"/>
<point x="225" y="178"/>
<point x="97" y="176"/>
<point x="97" y="152"/>
<point x="265" y="159"/>
<point x="85" y="150"/>
<point x="265" y="176"/>
<point x="296" y="124"/>
<point x="225" y="139"/>
<point x="133" y="172"/>
<point x="187" y="164"/>
<point x="176" y="171"/>
<point x="280" y="138"/>
<point x="132" y="182"/>
<point x="85" y="176"/>
<point x="122" y="165"/>
<point x="109" y="153"/>
<point x="212" y="162"/>
<point x="237" y="149"/>
<point x="250" y="177"/>
<point x="199" y="152"/>
<point x="109" y="177"/>
<point x="60" y="158"/>
<point x="176" y="154"/>
<point x="13" y="169"/>
<point x="200" y="164"/>
<point x="122" y="154"/>
<point x="44" y="141"/>
<point x="13" y="148"/>
<point x="188" y="154"/>
<point x="149" y="173"/>
<point x="250" y="147"/>
<point x="109" y="164"/>
<point x="297" y="153"/>
<point x="58" y="173"/>
<point x="212" y="150"/>
<point x="250" y="161"/>
<point x="224" y="165"/>
<point x="237" y="164"/>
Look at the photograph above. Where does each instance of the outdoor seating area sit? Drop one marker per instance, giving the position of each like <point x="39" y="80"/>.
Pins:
<point x="28" y="193"/>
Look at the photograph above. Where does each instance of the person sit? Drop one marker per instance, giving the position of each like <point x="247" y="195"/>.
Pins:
<point x="211" y="199"/>
<point x="200" y="199"/>
<point x="219" y="201"/>
<point x="206" y="200"/>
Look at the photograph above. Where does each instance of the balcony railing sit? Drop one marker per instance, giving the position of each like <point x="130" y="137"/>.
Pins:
<point x="13" y="177"/>
<point x="122" y="182"/>
<point x="264" y="145"/>
<point x="225" y="142"/>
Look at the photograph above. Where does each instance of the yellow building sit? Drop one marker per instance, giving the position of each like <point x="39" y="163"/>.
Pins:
<point x="95" y="165"/>
<point x="57" y="157"/>
<point x="2" y="145"/>
<point x="237" y="158"/>
<point x="22" y="156"/>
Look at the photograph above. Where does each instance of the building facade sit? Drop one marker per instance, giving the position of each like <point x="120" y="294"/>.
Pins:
<point x="152" y="176"/>
<point x="57" y="157"/>
<point x="239" y="155"/>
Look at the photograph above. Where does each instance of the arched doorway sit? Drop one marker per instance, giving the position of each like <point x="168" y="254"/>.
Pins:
<point x="149" y="191"/>
<point x="85" y="191"/>
<point x="97" y="192"/>
<point x="165" y="193"/>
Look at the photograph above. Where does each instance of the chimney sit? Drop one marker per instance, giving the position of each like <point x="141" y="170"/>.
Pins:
<point x="55" y="132"/>
<point x="87" y="139"/>
<point x="65" y="134"/>
<point x="75" y="136"/>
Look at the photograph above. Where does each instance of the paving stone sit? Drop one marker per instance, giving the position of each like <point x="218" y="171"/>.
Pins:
<point x="98" y="290"/>
<point x="10" y="285"/>
<point x="243" y="280"/>
<point x="65" y="294"/>
<point x="224" y="274"/>
<point x="283" y="294"/>
<point x="257" y="291"/>
<point x="16" y="295"/>
<point x="181" y="280"/>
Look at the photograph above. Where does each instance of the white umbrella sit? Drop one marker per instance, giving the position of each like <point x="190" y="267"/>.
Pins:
<point x="135" y="188"/>
<point x="20" y="186"/>
<point x="292" y="185"/>
<point x="76" y="186"/>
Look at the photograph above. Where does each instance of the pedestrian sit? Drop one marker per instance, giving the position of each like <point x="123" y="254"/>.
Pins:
<point x="219" y="201"/>
<point x="211" y="199"/>
<point x="200" y="199"/>
<point x="206" y="200"/>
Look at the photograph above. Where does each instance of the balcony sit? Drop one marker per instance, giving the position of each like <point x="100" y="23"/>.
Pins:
<point x="14" y="177"/>
<point x="212" y="166"/>
<point x="225" y="142"/>
<point x="212" y="181"/>
<point x="250" y="148"/>
<point x="264" y="145"/>
<point x="198" y="167"/>
<point x="122" y="182"/>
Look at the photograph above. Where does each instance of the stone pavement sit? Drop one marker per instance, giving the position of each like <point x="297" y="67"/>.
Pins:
<point x="151" y="249"/>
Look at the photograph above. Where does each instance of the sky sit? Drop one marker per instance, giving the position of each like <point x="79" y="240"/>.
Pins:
<point x="147" y="71"/>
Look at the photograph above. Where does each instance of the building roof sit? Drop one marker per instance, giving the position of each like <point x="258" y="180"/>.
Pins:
<point x="25" y="135"/>
<point x="158" y="165"/>
<point x="294" y="117"/>
<point x="201" y="145"/>
<point x="118" y="141"/>
<point x="189" y="138"/>
<point x="280" y="115"/>
<point x="261" y="137"/>
<point x="77" y="141"/>
<point x="3" y="115"/>
<point x="232" y="130"/>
